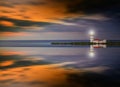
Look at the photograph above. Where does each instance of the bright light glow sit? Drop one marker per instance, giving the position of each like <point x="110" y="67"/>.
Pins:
<point x="91" y="32"/>
<point x="91" y="54"/>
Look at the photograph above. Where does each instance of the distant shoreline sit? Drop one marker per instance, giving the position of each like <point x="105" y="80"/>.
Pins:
<point x="109" y="43"/>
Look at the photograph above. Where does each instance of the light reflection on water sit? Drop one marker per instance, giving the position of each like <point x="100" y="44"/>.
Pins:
<point x="59" y="67"/>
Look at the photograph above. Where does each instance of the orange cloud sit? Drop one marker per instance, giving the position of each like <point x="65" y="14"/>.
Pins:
<point x="7" y="34"/>
<point x="45" y="73"/>
<point x="6" y="23"/>
<point x="8" y="53"/>
<point x="6" y="63"/>
<point x="49" y="76"/>
<point x="46" y="13"/>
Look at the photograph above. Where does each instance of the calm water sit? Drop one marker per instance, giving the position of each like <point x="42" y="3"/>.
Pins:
<point x="34" y="43"/>
<point x="59" y="67"/>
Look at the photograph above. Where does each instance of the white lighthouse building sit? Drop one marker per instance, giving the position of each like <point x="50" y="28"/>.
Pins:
<point x="91" y="33"/>
<point x="96" y="41"/>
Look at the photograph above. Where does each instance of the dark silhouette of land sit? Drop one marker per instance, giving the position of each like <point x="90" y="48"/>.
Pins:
<point x="109" y="43"/>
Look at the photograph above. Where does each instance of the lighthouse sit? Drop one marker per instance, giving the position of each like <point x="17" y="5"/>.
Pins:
<point x="91" y="33"/>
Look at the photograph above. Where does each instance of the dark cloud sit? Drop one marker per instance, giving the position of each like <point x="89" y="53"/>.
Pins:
<point x="90" y="6"/>
<point x="8" y="29"/>
<point x="19" y="24"/>
<point x="8" y="58"/>
<point x="20" y="62"/>
<point x="87" y="79"/>
<point x="90" y="79"/>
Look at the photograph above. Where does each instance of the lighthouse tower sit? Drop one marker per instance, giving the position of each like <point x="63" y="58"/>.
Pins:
<point x="91" y="33"/>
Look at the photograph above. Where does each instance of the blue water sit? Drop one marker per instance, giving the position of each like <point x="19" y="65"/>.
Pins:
<point x="40" y="43"/>
<point x="34" y="43"/>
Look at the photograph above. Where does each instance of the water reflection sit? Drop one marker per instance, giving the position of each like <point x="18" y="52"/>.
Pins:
<point x="59" y="67"/>
<point x="93" y="47"/>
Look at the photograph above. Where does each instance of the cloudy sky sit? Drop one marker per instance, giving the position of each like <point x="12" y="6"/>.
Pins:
<point x="58" y="19"/>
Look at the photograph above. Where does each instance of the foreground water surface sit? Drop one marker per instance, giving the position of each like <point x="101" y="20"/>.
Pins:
<point x="59" y="67"/>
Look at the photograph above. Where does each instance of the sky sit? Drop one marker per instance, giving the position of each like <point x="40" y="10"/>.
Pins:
<point x="59" y="19"/>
